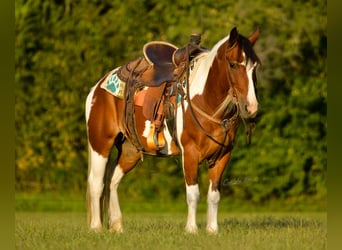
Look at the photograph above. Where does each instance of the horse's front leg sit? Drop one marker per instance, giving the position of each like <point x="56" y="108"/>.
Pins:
<point x="190" y="169"/>
<point x="213" y="198"/>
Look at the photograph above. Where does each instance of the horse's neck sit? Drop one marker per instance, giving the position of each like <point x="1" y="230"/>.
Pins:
<point x="198" y="75"/>
<point x="205" y="81"/>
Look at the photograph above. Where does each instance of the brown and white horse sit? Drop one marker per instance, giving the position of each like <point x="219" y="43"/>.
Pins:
<point x="221" y="91"/>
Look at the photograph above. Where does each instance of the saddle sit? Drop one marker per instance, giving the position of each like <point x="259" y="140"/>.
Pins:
<point x="151" y="83"/>
<point x="154" y="68"/>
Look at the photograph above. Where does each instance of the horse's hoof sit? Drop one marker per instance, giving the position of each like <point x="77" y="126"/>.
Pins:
<point x="116" y="227"/>
<point x="95" y="229"/>
<point x="212" y="231"/>
<point x="191" y="230"/>
<point x="116" y="230"/>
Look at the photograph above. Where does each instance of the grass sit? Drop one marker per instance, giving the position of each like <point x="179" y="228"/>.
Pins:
<point x="65" y="230"/>
<point x="72" y="202"/>
<point x="55" y="221"/>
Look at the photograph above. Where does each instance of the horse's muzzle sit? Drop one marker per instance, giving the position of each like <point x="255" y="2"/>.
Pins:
<point x="252" y="111"/>
<point x="248" y="111"/>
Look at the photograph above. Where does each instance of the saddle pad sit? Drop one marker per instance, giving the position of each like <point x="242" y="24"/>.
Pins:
<point x="113" y="84"/>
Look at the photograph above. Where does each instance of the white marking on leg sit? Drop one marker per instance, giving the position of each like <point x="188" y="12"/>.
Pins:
<point x="192" y="197"/>
<point x="192" y="191"/>
<point x="114" y="212"/>
<point x="213" y="200"/>
<point x="95" y="182"/>
<point x="251" y="96"/>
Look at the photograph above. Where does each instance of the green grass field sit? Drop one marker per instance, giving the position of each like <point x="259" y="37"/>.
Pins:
<point x="65" y="230"/>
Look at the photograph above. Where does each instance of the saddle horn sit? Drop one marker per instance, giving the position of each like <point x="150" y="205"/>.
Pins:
<point x="194" y="48"/>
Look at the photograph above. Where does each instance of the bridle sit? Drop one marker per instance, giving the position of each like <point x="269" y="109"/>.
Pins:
<point x="249" y="123"/>
<point x="230" y="105"/>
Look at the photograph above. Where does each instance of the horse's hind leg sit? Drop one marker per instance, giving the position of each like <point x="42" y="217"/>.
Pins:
<point x="101" y="133"/>
<point x="97" y="166"/>
<point x="128" y="156"/>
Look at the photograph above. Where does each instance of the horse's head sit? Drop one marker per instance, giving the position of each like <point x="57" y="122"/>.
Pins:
<point x="240" y="63"/>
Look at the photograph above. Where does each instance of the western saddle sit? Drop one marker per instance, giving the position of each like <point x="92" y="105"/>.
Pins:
<point x="151" y="82"/>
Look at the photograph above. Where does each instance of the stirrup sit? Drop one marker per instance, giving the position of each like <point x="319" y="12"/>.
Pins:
<point x="161" y="140"/>
<point x="155" y="139"/>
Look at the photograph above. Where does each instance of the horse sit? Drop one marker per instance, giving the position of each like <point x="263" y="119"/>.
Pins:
<point x="218" y="93"/>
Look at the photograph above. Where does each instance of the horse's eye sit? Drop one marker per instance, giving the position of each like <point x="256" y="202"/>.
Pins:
<point x="232" y="64"/>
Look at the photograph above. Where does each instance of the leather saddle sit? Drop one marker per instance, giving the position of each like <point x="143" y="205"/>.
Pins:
<point x="159" y="67"/>
<point x="154" y="68"/>
<point x="159" y="63"/>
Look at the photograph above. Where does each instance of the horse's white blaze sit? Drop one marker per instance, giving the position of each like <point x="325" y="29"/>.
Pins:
<point x="213" y="200"/>
<point x="251" y="96"/>
<point x="192" y="197"/>
<point x="114" y="213"/>
<point x="95" y="181"/>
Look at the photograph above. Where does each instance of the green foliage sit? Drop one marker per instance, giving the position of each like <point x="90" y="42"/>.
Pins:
<point x="64" y="47"/>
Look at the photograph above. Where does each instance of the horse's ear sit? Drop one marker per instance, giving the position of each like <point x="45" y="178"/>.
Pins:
<point x="233" y="36"/>
<point x="254" y="37"/>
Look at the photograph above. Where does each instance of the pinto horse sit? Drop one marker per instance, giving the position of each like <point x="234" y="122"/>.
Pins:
<point x="220" y="92"/>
